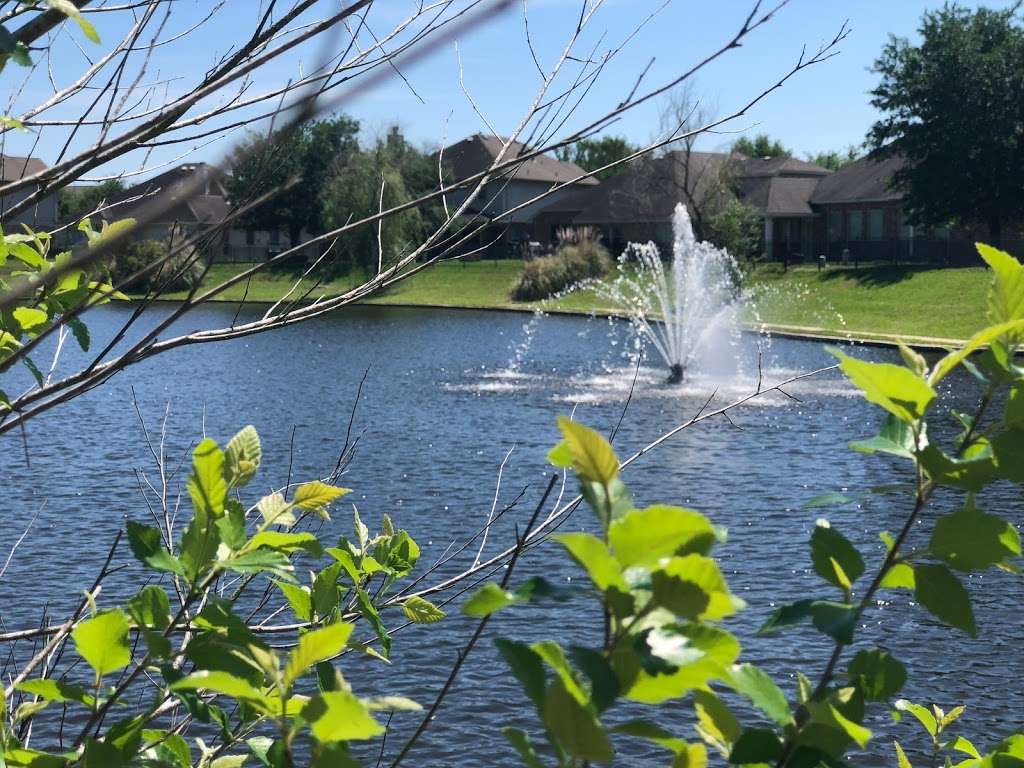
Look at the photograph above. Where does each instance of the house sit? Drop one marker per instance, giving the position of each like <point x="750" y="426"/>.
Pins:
<point x="862" y="212"/>
<point x="637" y="204"/>
<point x="505" y="203"/>
<point x="43" y="214"/>
<point x="193" y="198"/>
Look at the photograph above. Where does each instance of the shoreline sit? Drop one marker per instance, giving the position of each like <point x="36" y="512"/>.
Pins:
<point x="805" y="333"/>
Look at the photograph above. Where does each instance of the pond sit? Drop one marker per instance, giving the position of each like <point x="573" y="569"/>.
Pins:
<point x="441" y="410"/>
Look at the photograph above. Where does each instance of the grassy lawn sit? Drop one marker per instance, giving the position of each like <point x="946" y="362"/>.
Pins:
<point x="908" y="301"/>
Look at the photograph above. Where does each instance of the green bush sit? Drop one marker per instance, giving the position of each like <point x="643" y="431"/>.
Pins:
<point x="183" y="270"/>
<point x="570" y="264"/>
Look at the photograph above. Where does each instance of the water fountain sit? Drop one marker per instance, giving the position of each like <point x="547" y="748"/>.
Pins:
<point x="680" y="307"/>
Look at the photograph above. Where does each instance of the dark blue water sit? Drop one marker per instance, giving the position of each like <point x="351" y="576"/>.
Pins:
<point x="440" y="410"/>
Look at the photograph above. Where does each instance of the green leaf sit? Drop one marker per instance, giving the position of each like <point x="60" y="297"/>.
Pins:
<point x="900" y="576"/>
<point x="520" y="741"/>
<point x="945" y="597"/>
<point x="1013" y="416"/>
<point x="877" y="674"/>
<point x="267" y="561"/>
<point x="316" y="496"/>
<point x="287" y="542"/>
<point x="592" y="553"/>
<point x="80" y="331"/>
<point x="960" y="744"/>
<point x="527" y="667"/>
<point x="1006" y="297"/>
<point x="206" y="485"/>
<point x="420" y="611"/>
<point x="756" y="746"/>
<point x="231" y="526"/>
<point x="592" y="457"/>
<point x="644" y="536"/>
<point x="103" y="642"/>
<point x="370" y="613"/>
<point x="893" y="387"/>
<point x="340" y="716"/>
<point x="575" y="728"/>
<point x="716" y="724"/>
<point x="242" y="456"/>
<point x="693" y="587"/>
<point x="552" y="654"/>
<point x="561" y="455"/>
<point x="227" y="684"/>
<point x="709" y="652"/>
<point x="489" y="599"/>
<point x="275" y="510"/>
<point x="604" y="684"/>
<point x="147" y="546"/>
<point x="828" y="715"/>
<point x="972" y="473"/>
<point x="654" y="733"/>
<point x="969" y="539"/>
<point x="895" y="437"/>
<point x="29" y="318"/>
<point x="316" y="646"/>
<point x="837" y="620"/>
<point x="981" y="339"/>
<point x="762" y="691"/>
<point x="298" y="598"/>
<point x="1008" y="448"/>
<point x="828" y="545"/>
<point x="901" y="757"/>
<point x="56" y="690"/>
<point x="151" y="608"/>
<point x="70" y="10"/>
<point x="924" y="716"/>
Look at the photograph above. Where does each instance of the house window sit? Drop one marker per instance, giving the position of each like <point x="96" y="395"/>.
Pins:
<point x="835" y="226"/>
<point x="275" y="236"/>
<point x="875" y="224"/>
<point x="855" y="225"/>
<point x="250" y="237"/>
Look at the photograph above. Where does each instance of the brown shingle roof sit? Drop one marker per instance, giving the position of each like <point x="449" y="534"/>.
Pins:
<point x="13" y="168"/>
<point x="650" y="188"/>
<point x="865" y="180"/>
<point x="476" y="153"/>
<point x="207" y="205"/>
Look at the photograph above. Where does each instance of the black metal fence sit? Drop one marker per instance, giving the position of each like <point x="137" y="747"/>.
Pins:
<point x="931" y="251"/>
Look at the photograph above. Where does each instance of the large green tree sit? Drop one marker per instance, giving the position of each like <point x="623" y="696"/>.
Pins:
<point x="390" y="173"/>
<point x="834" y="159"/>
<point x="952" y="107"/>
<point x="312" y="154"/>
<point x="762" y="145"/>
<point x="80" y="200"/>
<point x="590" y="154"/>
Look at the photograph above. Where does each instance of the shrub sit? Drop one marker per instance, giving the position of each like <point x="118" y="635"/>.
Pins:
<point x="737" y="228"/>
<point x="570" y="264"/>
<point x="183" y="270"/>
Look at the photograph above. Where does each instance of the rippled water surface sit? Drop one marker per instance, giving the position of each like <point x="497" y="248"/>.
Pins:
<point x="440" y="410"/>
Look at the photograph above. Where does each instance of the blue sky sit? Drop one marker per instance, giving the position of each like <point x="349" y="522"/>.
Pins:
<point x="824" y="107"/>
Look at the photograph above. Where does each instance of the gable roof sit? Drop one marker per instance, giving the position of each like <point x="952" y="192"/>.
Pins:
<point x="13" y="168"/>
<point x="862" y="181"/>
<point x="208" y="206"/>
<point x="478" y="152"/>
<point x="648" y="190"/>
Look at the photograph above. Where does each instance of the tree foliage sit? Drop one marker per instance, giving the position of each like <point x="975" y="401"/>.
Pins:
<point x="84" y="199"/>
<point x="834" y="159"/>
<point x="591" y="154"/>
<point x="312" y="154"/>
<point x="737" y="228"/>
<point x="951" y="108"/>
<point x="762" y="145"/>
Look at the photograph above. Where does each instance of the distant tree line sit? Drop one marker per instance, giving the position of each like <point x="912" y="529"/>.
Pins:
<point x="336" y="178"/>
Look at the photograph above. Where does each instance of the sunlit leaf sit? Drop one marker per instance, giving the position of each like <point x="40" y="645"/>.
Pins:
<point x="103" y="642"/>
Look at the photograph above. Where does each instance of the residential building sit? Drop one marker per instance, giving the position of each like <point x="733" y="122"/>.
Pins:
<point x="509" y="203"/>
<point x="637" y="204"/>
<point x="43" y="214"/>
<point x="193" y="198"/>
